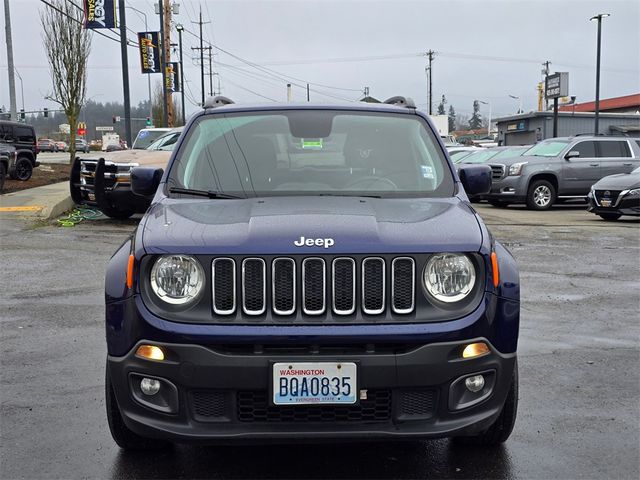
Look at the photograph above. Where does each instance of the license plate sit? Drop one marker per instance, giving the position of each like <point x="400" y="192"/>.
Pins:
<point x="314" y="383"/>
<point x="605" y="202"/>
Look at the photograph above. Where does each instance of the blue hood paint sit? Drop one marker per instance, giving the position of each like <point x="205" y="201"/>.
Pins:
<point x="270" y="225"/>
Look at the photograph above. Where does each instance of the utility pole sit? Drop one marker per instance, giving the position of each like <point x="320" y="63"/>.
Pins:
<point x="180" y="29"/>
<point x="166" y="47"/>
<point x="11" y="68"/>
<point x="545" y="73"/>
<point x="430" y="55"/>
<point x="201" y="48"/>
<point x="125" y="72"/>
<point x="307" y="92"/>
<point x="599" y="18"/>
<point x="211" y="91"/>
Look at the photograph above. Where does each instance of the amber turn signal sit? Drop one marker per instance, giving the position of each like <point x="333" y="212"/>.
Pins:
<point x="494" y="268"/>
<point x="132" y="260"/>
<point x="150" y="352"/>
<point x="475" y="350"/>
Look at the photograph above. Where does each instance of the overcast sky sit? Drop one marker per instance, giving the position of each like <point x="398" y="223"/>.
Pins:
<point x="486" y="50"/>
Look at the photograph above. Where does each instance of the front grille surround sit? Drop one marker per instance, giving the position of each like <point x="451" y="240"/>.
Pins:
<point x="336" y="279"/>
<point x="498" y="171"/>
<point x="256" y="281"/>
<point x="366" y="283"/>
<point x="396" y="279"/>
<point x="276" y="296"/>
<point x="229" y="307"/>
<point x="306" y="285"/>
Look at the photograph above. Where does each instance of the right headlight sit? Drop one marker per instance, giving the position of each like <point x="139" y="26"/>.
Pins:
<point x="516" y="168"/>
<point x="177" y="279"/>
<point x="449" y="277"/>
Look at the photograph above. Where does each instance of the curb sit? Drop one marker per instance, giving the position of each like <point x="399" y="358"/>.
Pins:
<point x="40" y="203"/>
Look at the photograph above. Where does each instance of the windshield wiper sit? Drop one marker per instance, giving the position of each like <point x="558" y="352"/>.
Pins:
<point x="203" y="193"/>
<point x="347" y="195"/>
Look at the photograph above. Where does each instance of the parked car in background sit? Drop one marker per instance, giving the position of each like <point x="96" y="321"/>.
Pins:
<point x="23" y="138"/>
<point x="104" y="181"/>
<point x="7" y="161"/>
<point x="559" y="169"/>
<point x="147" y="136"/>
<point x="82" y="146"/>
<point x="47" y="145"/>
<point x="616" y="195"/>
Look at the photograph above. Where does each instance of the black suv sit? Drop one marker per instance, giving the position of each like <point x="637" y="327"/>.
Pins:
<point x="7" y="161"/>
<point x="23" y="138"/>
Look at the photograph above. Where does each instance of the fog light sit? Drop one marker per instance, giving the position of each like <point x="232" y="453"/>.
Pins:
<point x="474" y="384"/>
<point x="151" y="386"/>
<point x="150" y="352"/>
<point x="475" y="350"/>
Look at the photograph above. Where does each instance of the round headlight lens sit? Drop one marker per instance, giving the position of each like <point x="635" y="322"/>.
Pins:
<point x="177" y="279"/>
<point x="449" y="277"/>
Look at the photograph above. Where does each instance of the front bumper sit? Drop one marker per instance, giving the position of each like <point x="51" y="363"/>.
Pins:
<point x="623" y="205"/>
<point x="224" y="395"/>
<point x="510" y="188"/>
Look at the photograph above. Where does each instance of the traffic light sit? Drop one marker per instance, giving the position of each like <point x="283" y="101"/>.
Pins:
<point x="22" y="115"/>
<point x="148" y="121"/>
<point x="114" y="119"/>
<point x="45" y="112"/>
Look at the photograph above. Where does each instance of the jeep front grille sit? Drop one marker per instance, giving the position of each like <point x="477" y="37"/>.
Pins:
<point x="342" y="286"/>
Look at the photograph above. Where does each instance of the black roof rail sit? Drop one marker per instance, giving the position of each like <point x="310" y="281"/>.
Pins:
<point x="219" y="101"/>
<point x="401" y="102"/>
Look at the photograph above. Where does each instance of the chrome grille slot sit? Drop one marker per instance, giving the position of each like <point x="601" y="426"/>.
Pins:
<point x="373" y="286"/>
<point x="283" y="278"/>
<point x="497" y="172"/>
<point x="223" y="273"/>
<point x="254" y="286"/>
<point x="314" y="280"/>
<point x="344" y="286"/>
<point x="402" y="285"/>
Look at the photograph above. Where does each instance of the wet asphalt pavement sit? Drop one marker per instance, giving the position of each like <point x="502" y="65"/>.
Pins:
<point x="579" y="359"/>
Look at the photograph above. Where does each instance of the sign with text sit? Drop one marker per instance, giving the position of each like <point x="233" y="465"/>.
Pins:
<point x="149" y="44"/>
<point x="172" y="77"/>
<point x="99" y="14"/>
<point x="104" y="129"/>
<point x="557" y="85"/>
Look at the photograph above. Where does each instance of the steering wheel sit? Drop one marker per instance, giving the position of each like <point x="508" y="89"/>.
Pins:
<point x="368" y="184"/>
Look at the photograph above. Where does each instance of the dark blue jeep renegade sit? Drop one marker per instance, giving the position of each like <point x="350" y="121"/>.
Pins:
<point x="311" y="272"/>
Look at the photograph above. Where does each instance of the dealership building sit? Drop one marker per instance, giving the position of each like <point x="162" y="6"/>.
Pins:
<point x="618" y="116"/>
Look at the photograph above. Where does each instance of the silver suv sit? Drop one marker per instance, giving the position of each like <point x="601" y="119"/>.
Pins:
<point x="560" y="168"/>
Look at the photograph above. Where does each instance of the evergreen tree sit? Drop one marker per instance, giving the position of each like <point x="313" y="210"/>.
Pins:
<point x="441" y="107"/>
<point x="452" y="118"/>
<point x="475" y="121"/>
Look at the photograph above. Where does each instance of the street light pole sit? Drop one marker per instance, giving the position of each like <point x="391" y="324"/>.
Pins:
<point x="489" y="126"/>
<point x="21" y="86"/>
<point x="146" y="29"/>
<point x="125" y="73"/>
<point x="599" y="18"/>
<point x="515" y="97"/>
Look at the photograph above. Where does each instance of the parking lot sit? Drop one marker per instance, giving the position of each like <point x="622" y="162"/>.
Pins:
<point x="578" y="359"/>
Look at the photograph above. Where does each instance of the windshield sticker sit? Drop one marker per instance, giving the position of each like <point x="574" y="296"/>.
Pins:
<point x="427" y="172"/>
<point x="143" y="133"/>
<point x="313" y="143"/>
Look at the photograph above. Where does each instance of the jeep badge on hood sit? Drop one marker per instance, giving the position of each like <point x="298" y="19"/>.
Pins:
<point x="314" y="242"/>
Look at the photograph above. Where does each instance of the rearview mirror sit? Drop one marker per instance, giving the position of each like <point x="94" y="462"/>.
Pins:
<point x="145" y="180"/>
<point x="476" y="179"/>
<point x="572" y="154"/>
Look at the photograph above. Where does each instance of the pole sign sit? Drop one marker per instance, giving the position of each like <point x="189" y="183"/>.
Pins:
<point x="172" y="76"/>
<point x="557" y="85"/>
<point x="104" y="129"/>
<point x="149" y="51"/>
<point x="99" y="14"/>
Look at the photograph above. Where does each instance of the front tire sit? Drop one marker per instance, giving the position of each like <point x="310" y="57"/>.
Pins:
<point x="3" y="173"/>
<point x="122" y="435"/>
<point x="610" y="217"/>
<point x="541" y="195"/>
<point x="498" y="203"/>
<point x="501" y="429"/>
<point x="22" y="170"/>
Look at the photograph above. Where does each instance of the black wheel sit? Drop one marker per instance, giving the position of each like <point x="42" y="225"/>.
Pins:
<point x="22" y="170"/>
<point x="118" y="214"/>
<point x="125" y="438"/>
<point x="498" y="203"/>
<point x="501" y="429"/>
<point x="541" y="195"/>
<point x="3" y="173"/>
<point x="610" y="217"/>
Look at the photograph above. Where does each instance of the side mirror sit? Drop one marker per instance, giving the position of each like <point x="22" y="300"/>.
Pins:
<point x="476" y="179"/>
<point x="145" y="180"/>
<point x="572" y="154"/>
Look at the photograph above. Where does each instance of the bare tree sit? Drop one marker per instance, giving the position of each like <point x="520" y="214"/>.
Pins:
<point x="157" y="109"/>
<point x="67" y="46"/>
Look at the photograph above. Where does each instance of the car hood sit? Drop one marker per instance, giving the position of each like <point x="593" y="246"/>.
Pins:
<point x="620" y="181"/>
<point x="271" y="225"/>
<point x="520" y="158"/>
<point x="147" y="158"/>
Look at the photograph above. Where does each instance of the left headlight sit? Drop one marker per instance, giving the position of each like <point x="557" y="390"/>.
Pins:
<point x="634" y="192"/>
<point x="449" y="277"/>
<point x="516" y="168"/>
<point x="177" y="279"/>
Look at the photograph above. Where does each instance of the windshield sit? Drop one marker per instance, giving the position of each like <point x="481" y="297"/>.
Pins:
<point x="480" y="157"/>
<point x="146" y="137"/>
<point x="458" y="156"/>
<point x="547" y="149"/>
<point x="166" y="142"/>
<point x="510" y="152"/>
<point x="312" y="152"/>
